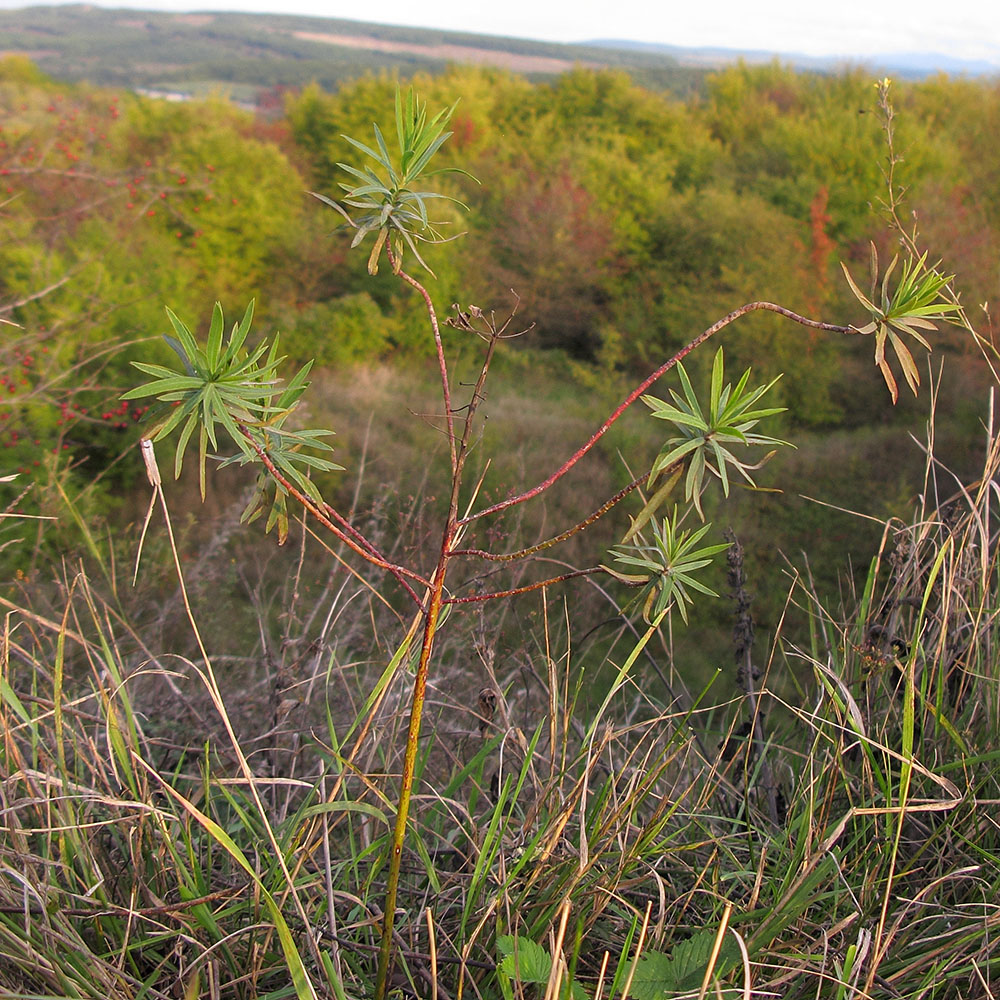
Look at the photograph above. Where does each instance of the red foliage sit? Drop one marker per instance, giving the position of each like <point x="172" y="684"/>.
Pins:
<point x="464" y="131"/>
<point x="821" y="246"/>
<point x="554" y="249"/>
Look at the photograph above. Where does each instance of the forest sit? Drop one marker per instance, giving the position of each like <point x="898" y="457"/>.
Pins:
<point x="623" y="220"/>
<point x="639" y="816"/>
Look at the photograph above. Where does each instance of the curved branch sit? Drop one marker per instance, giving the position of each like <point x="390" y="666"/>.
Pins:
<point x="527" y="588"/>
<point x="11" y="306"/>
<point x="556" y="539"/>
<point x="643" y="386"/>
<point x="358" y="536"/>
<point x="366" y="551"/>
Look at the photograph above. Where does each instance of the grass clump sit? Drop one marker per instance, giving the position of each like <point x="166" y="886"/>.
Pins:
<point x="833" y="839"/>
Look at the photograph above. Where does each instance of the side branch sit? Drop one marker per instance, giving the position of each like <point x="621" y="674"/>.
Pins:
<point x="556" y="539"/>
<point x="527" y="588"/>
<point x="11" y="306"/>
<point x="643" y="386"/>
<point x="366" y="551"/>
<point x="356" y="535"/>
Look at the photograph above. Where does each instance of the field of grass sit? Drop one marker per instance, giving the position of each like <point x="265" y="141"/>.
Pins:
<point x="206" y="814"/>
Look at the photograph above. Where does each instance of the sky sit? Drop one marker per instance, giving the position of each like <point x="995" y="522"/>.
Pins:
<point x="852" y="29"/>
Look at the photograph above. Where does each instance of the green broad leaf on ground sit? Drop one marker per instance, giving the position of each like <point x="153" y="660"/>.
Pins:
<point x="660" y="977"/>
<point x="526" y="962"/>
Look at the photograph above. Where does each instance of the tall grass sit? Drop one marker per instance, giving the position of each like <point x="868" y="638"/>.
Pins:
<point x="825" y="830"/>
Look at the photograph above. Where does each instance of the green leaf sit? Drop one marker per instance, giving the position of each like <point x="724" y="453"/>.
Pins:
<point x="524" y="961"/>
<point x="168" y="382"/>
<point x="368" y="151"/>
<point x="667" y="458"/>
<point x="175" y="344"/>
<point x="720" y="465"/>
<point x="664" y="411"/>
<point x="367" y="177"/>
<point x="177" y="413"/>
<point x="660" y="977"/>
<point x="689" y="392"/>
<point x="400" y="128"/>
<point x="190" y="352"/>
<point x="214" y="348"/>
<point x="385" y="158"/>
<point x="415" y="168"/>
<point x="202" y="435"/>
<point x="716" y="389"/>
<point x="694" y="482"/>
<point x="182" y="442"/>
<point x="527" y="963"/>
<point x="238" y="337"/>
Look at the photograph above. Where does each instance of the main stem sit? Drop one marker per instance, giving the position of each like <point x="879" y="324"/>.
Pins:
<point x="409" y="762"/>
<point x="459" y="450"/>
<point x="435" y="599"/>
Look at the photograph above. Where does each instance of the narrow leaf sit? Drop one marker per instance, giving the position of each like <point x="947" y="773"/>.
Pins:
<point x="213" y="349"/>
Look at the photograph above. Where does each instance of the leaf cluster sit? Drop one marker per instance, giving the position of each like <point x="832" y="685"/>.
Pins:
<point x="917" y="296"/>
<point x="386" y="199"/>
<point x="664" y="564"/>
<point x="667" y="564"/>
<point x="705" y="438"/>
<point x="224" y="385"/>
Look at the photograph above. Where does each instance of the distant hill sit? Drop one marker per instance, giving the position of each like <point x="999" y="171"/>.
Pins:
<point x="243" y="54"/>
<point x="906" y="64"/>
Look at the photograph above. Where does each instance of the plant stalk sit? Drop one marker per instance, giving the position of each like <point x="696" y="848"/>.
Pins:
<point x="409" y="766"/>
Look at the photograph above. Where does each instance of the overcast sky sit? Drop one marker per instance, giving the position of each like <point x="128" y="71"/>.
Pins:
<point x="968" y="29"/>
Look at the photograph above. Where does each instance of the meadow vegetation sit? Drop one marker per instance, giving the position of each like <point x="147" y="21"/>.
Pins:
<point x="448" y="738"/>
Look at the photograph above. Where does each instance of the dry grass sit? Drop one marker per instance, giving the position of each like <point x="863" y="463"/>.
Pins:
<point x="139" y="861"/>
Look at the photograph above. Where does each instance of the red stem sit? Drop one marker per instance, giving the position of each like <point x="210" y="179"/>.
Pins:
<point x="442" y="363"/>
<point x="556" y="539"/>
<point x="474" y="598"/>
<point x="366" y="552"/>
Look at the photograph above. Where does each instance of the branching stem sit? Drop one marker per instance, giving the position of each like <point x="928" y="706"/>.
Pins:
<point x="452" y="532"/>
<point x="643" y="386"/>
